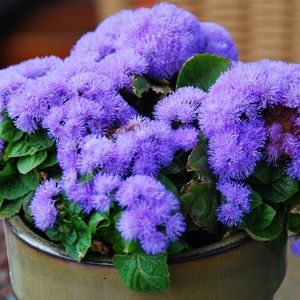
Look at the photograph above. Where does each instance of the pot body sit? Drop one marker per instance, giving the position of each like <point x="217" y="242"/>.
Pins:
<point x="233" y="269"/>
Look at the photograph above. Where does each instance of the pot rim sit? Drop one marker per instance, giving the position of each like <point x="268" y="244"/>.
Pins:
<point x="17" y="226"/>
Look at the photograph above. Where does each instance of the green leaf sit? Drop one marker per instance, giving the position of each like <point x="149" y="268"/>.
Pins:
<point x="50" y="161"/>
<point x="121" y="246"/>
<point x="197" y="160"/>
<point x="143" y="273"/>
<point x="204" y="200"/>
<point x="26" y="207"/>
<point x="176" y="247"/>
<point x="13" y="188"/>
<point x="268" y="233"/>
<point x="86" y="178"/>
<point x="256" y="200"/>
<point x="98" y="220"/>
<point x="260" y="217"/>
<point x="279" y="242"/>
<point x="294" y="223"/>
<point x="27" y="163"/>
<point x="142" y="85"/>
<point x="54" y="172"/>
<point x="265" y="173"/>
<point x="281" y="190"/>
<point x="169" y="185"/>
<point x="30" y="180"/>
<point x="79" y="248"/>
<point x="73" y="208"/>
<point x="178" y="165"/>
<point x="8" y="170"/>
<point x="12" y="207"/>
<point x="30" y="144"/>
<point x="71" y="237"/>
<point x="202" y="71"/>
<point x="53" y="234"/>
<point x="8" y="131"/>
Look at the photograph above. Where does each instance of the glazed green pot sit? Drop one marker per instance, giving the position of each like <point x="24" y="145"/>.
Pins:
<point x="235" y="268"/>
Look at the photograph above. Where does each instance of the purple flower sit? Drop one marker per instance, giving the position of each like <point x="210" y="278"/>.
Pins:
<point x="113" y="26"/>
<point x="72" y="66"/>
<point x="104" y="188"/>
<point x="26" y="109"/>
<point x="153" y="241"/>
<point x="55" y="121"/>
<point x="282" y="137"/>
<point x="155" y="147"/>
<point x="93" y="46"/>
<point x="237" y="204"/>
<point x="165" y="35"/>
<point x="143" y="149"/>
<point x="229" y="214"/>
<point x="293" y="169"/>
<point x="10" y="83"/>
<point x="76" y="118"/>
<point x="125" y="149"/>
<point x="239" y="94"/>
<point x="144" y="189"/>
<point x="117" y="110"/>
<point x="130" y="225"/>
<point x="295" y="247"/>
<point x="151" y="214"/>
<point x="181" y="106"/>
<point x="2" y="144"/>
<point x="91" y="85"/>
<point x="36" y="67"/>
<point x="218" y="41"/>
<point x="43" y="207"/>
<point x="292" y="95"/>
<point x="96" y="45"/>
<point x="53" y="89"/>
<point x="234" y="151"/>
<point x="237" y="194"/>
<point x="121" y="66"/>
<point x="31" y="104"/>
<point x="185" y="137"/>
<point x="288" y="78"/>
<point x="67" y="153"/>
<point x="96" y="152"/>
<point x="77" y="191"/>
<point x="248" y="109"/>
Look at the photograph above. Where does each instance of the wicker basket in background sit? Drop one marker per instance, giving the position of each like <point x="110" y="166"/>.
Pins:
<point x="261" y="28"/>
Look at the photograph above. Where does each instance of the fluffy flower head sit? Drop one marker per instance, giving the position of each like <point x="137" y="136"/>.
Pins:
<point x="43" y="204"/>
<point x="151" y="214"/>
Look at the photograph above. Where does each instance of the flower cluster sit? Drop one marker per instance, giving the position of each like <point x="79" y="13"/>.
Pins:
<point x="251" y="114"/>
<point x="80" y="102"/>
<point x="151" y="215"/>
<point x="119" y="144"/>
<point x="163" y="36"/>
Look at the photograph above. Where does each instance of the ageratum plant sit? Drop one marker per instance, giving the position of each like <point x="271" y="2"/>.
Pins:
<point x="151" y="139"/>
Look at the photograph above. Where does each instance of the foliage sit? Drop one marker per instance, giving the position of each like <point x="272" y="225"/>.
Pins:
<point x="115" y="156"/>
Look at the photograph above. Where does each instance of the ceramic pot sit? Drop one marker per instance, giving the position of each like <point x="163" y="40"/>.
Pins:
<point x="236" y="268"/>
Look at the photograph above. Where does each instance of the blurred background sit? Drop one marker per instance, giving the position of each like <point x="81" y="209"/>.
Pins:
<point x="261" y="29"/>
